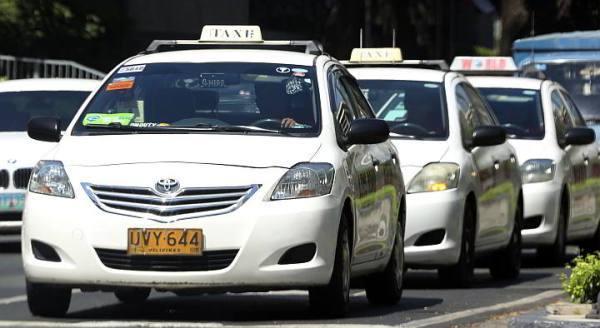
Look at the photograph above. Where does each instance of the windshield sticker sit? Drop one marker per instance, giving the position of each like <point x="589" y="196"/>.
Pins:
<point x="131" y="69"/>
<point x="107" y="119"/>
<point x="529" y="92"/>
<point x="147" y="124"/>
<point x="299" y="70"/>
<point x="121" y="83"/>
<point x="282" y="70"/>
<point x="293" y="86"/>
<point x="212" y="80"/>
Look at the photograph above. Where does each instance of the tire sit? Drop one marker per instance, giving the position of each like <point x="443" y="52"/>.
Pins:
<point x="385" y="288"/>
<point x="507" y="263"/>
<point x="132" y="295"/>
<point x="556" y="254"/>
<point x="47" y="300"/>
<point x="593" y="244"/>
<point x="461" y="274"/>
<point x="332" y="300"/>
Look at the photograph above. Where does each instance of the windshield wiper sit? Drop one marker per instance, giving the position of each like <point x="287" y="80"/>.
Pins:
<point x="235" y="128"/>
<point x="201" y="127"/>
<point x="404" y="136"/>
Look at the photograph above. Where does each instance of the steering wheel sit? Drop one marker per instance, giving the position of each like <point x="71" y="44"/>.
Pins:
<point x="268" y="123"/>
<point x="409" y="128"/>
<point x="509" y="127"/>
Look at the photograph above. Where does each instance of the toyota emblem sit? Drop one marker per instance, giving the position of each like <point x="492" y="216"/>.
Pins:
<point x="167" y="186"/>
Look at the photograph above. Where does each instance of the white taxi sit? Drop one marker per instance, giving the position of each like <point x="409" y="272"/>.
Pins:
<point x="227" y="163"/>
<point x="20" y="100"/>
<point x="558" y="159"/>
<point x="463" y="182"/>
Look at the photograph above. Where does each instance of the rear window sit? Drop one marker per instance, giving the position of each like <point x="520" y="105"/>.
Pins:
<point x="518" y="110"/>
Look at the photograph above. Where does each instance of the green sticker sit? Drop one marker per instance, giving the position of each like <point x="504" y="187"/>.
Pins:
<point x="106" y="119"/>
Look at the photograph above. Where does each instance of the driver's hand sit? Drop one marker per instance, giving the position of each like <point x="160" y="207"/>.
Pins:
<point x="288" y="122"/>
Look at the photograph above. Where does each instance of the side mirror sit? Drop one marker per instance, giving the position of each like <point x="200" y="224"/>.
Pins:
<point x="489" y="135"/>
<point x="579" y="136"/>
<point x="44" y="129"/>
<point x="368" y="131"/>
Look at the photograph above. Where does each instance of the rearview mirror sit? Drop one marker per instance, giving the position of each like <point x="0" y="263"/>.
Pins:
<point x="489" y="135"/>
<point x="44" y="129"/>
<point x="579" y="136"/>
<point x="368" y="131"/>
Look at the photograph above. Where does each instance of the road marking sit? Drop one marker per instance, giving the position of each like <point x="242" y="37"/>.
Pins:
<point x="482" y="310"/>
<point x="14" y="299"/>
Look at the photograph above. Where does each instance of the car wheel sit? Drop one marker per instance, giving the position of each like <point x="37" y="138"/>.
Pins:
<point x="47" y="300"/>
<point x="461" y="274"/>
<point x="132" y="295"/>
<point x="591" y="245"/>
<point x="386" y="287"/>
<point x="556" y="253"/>
<point x="507" y="263"/>
<point x="332" y="300"/>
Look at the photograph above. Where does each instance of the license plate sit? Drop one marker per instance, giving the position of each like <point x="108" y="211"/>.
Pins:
<point x="12" y="202"/>
<point x="164" y="241"/>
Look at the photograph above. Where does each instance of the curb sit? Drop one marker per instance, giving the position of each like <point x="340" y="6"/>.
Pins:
<point x="541" y="319"/>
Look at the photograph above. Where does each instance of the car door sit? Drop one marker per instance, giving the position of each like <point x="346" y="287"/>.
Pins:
<point x="483" y="165"/>
<point x="361" y="170"/>
<point x="387" y="174"/>
<point x="576" y="155"/>
<point x="591" y="165"/>
<point x="504" y="193"/>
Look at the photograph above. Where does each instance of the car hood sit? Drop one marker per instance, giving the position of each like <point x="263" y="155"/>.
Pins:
<point x="233" y="150"/>
<point x="18" y="149"/>
<point x="414" y="154"/>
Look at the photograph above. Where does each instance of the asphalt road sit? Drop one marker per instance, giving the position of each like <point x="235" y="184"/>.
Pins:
<point x="424" y="298"/>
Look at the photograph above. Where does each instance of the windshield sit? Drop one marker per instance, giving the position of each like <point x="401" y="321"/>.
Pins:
<point x="581" y="79"/>
<point x="17" y="108"/>
<point x="519" y="111"/>
<point x="412" y="109"/>
<point x="208" y="98"/>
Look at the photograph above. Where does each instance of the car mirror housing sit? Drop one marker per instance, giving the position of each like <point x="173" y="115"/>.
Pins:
<point x="368" y="131"/>
<point x="44" y="129"/>
<point x="579" y="136"/>
<point x="489" y="135"/>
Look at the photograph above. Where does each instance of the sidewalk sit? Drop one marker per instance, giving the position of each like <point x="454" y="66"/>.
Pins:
<point x="559" y="314"/>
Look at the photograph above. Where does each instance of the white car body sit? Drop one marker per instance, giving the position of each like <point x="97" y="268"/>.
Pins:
<point x="20" y="153"/>
<point x="575" y="169"/>
<point x="252" y="236"/>
<point x="443" y="210"/>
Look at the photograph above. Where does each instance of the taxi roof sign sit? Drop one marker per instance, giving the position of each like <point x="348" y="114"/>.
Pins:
<point x="376" y="55"/>
<point x="231" y="33"/>
<point x="483" y="64"/>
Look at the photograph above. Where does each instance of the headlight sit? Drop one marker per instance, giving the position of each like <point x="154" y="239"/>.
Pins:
<point x="435" y="177"/>
<point x="305" y="180"/>
<point x="50" y="178"/>
<point x="537" y="170"/>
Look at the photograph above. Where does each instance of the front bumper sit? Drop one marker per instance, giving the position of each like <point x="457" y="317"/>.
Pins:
<point x="541" y="200"/>
<point x="262" y="231"/>
<point x="427" y="212"/>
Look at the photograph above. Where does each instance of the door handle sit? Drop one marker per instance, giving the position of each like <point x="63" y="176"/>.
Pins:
<point x="513" y="159"/>
<point x="496" y="165"/>
<point x="586" y="161"/>
<point x="394" y="158"/>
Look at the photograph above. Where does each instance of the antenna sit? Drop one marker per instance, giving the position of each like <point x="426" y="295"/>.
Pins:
<point x="394" y="38"/>
<point x="361" y="37"/>
<point x="532" y="34"/>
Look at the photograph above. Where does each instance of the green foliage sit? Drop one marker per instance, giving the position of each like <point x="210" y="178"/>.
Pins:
<point x="583" y="284"/>
<point x="483" y="51"/>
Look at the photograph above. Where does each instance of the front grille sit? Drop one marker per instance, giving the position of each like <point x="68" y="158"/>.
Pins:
<point x="21" y="178"/>
<point x="206" y="201"/>
<point x="209" y="260"/>
<point x="3" y="179"/>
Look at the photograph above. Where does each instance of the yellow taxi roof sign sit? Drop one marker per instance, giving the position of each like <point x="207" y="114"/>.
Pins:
<point x="376" y="55"/>
<point x="231" y="33"/>
<point x="472" y="63"/>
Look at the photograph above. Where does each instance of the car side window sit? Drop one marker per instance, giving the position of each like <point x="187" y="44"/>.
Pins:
<point x="481" y="108"/>
<point x="573" y="111"/>
<point x="467" y="117"/>
<point x="562" y="119"/>
<point x="342" y="103"/>
<point x="363" y="109"/>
